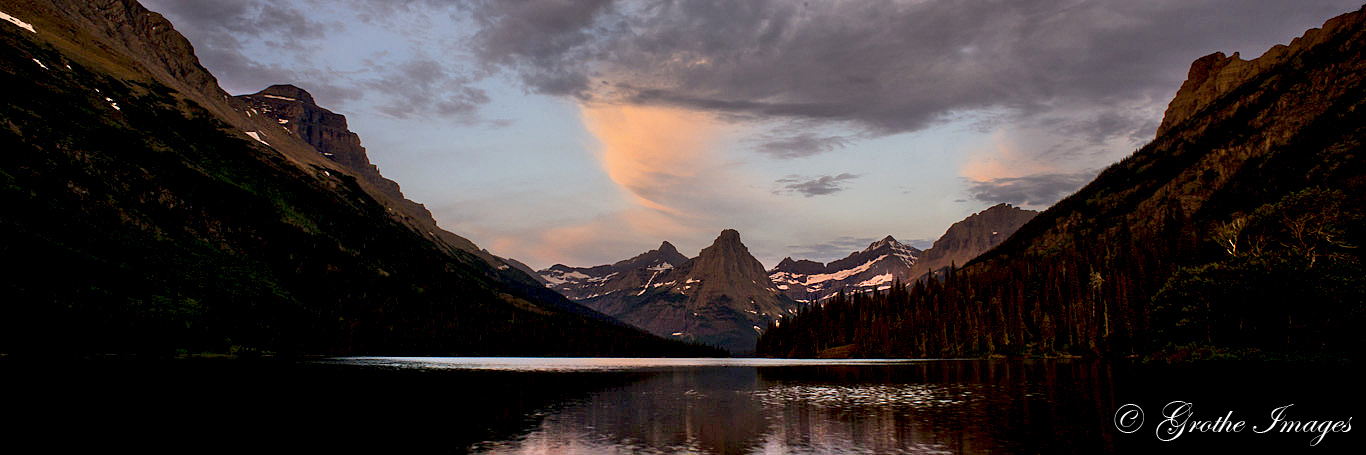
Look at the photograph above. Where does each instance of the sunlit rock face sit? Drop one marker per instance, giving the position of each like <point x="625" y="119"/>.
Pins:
<point x="971" y="237"/>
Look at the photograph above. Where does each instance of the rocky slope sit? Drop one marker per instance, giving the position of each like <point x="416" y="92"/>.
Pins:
<point x="875" y="268"/>
<point x="179" y="217"/>
<point x="296" y="113"/>
<point x="722" y="297"/>
<point x="971" y="237"/>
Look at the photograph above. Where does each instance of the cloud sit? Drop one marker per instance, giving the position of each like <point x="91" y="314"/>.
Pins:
<point x="805" y="144"/>
<point x="921" y="244"/>
<point x="1040" y="190"/>
<point x="834" y="249"/>
<point x="819" y="186"/>
<point x="222" y="32"/>
<point x="422" y="86"/>
<point x="252" y="44"/>
<point x="534" y="37"/>
<point x="661" y="155"/>
<point x="885" y="66"/>
<point x="603" y="239"/>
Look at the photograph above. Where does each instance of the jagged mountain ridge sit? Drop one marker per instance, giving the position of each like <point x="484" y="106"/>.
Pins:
<point x="326" y="131"/>
<point x="580" y="283"/>
<point x="876" y="267"/>
<point x="296" y="113"/>
<point x="137" y="172"/>
<point x="721" y="297"/>
<point x="974" y="235"/>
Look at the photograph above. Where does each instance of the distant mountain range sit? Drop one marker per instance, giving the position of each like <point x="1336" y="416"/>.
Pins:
<point x="887" y="261"/>
<point x="876" y="267"/>
<point x="723" y="296"/>
<point x="630" y="274"/>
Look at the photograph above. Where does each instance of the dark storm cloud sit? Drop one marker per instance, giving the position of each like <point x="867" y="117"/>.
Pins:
<point x="217" y="28"/>
<point x="888" y="66"/>
<point x="805" y="144"/>
<point x="806" y="186"/>
<point x="536" y="37"/>
<point x="1037" y="190"/>
<point x="883" y="66"/>
<point x="407" y="87"/>
<point x="250" y="18"/>
<point x="423" y="86"/>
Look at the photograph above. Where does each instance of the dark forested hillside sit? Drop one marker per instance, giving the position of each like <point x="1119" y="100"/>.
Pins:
<point x="1237" y="230"/>
<point x="140" y="218"/>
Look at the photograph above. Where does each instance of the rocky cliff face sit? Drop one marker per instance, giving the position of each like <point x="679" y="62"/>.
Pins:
<point x="721" y="297"/>
<point x="326" y="131"/>
<point x="976" y="234"/>
<point x="1216" y="75"/>
<point x="294" y="112"/>
<point x="142" y="41"/>
<point x="875" y="268"/>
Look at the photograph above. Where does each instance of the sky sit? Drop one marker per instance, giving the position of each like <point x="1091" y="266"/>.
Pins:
<point x="584" y="132"/>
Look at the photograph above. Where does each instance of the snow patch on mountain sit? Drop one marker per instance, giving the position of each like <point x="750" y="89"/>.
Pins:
<point x="842" y="274"/>
<point x="16" y="21"/>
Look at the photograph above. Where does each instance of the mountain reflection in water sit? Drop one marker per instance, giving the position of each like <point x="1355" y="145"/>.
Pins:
<point x="657" y="406"/>
<point x="765" y="406"/>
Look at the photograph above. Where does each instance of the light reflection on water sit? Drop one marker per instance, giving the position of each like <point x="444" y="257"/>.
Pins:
<point x="567" y="364"/>
<point x="662" y="406"/>
<point x="768" y="406"/>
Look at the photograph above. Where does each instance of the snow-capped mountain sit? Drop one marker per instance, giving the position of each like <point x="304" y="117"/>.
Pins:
<point x="876" y="267"/>
<point x="721" y="297"/>
<point x="580" y="283"/>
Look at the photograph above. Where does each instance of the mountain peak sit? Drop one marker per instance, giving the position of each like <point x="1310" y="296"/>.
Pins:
<point x="728" y="237"/>
<point x="667" y="247"/>
<point x="971" y="237"/>
<point x="287" y="92"/>
<point x="888" y="240"/>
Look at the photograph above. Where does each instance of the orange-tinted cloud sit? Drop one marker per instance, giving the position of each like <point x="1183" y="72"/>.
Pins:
<point x="666" y="164"/>
<point x="602" y="240"/>
<point x="1000" y="159"/>
<point x="657" y="154"/>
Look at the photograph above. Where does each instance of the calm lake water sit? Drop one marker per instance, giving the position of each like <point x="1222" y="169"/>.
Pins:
<point x="668" y="406"/>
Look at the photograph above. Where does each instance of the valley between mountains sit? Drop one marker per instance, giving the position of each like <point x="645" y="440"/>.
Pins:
<point x="724" y="297"/>
<point x="182" y="219"/>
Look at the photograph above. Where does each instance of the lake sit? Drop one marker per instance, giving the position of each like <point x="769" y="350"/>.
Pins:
<point x="675" y="406"/>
